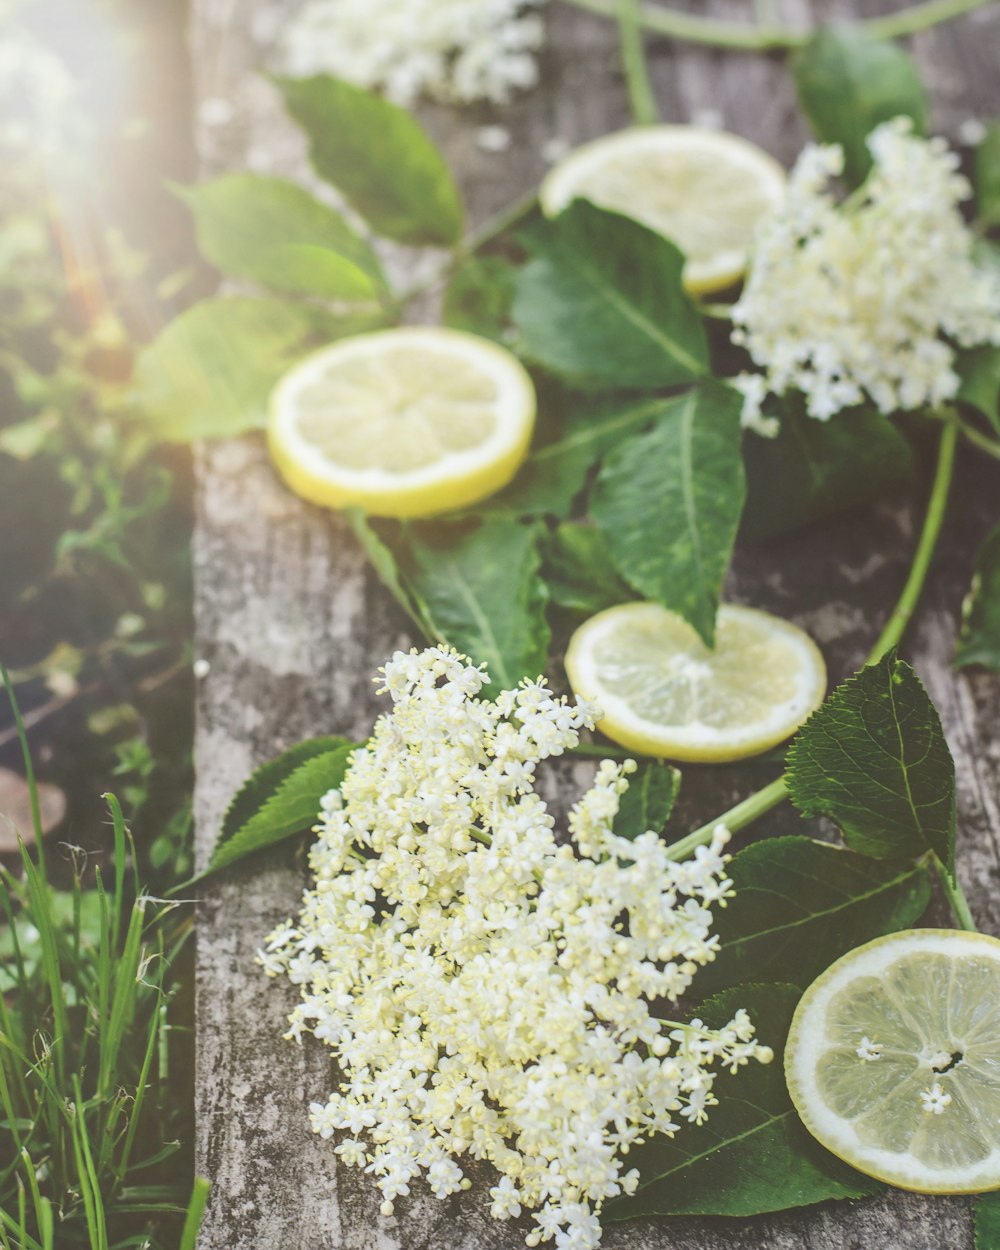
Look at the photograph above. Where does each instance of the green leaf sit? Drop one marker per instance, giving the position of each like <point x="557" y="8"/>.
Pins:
<point x="800" y="904"/>
<point x="669" y="503"/>
<point x="987" y="177"/>
<point x="478" y="588"/>
<point x="479" y="296"/>
<point x="874" y="759"/>
<point x="987" y="1225"/>
<point x="601" y="302"/>
<point x="814" y="469"/>
<point x="384" y="562"/>
<point x="647" y="803"/>
<point x="979" y="370"/>
<point x="979" y="640"/>
<point x="850" y="82"/>
<point x="273" y="231"/>
<point x="291" y="807"/>
<point x="579" y="571"/>
<point x="210" y="372"/>
<point x="558" y="466"/>
<point x="753" y="1154"/>
<point x="379" y="158"/>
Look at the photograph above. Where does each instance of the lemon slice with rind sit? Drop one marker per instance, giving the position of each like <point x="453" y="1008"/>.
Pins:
<point x="403" y="422"/>
<point x="893" y="1060"/>
<point x="664" y="693"/>
<point x="706" y="190"/>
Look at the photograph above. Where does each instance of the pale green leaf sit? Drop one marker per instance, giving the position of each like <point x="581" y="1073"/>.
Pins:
<point x="669" y="503"/>
<point x="874" y="759"/>
<point x="979" y="640"/>
<point x="274" y="232"/>
<point x="379" y="158"/>
<point x="850" y="82"/>
<point x="799" y="905"/>
<point x="601" y="302"/>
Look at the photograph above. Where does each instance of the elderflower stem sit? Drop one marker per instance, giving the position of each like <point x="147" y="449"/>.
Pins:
<point x="983" y="441"/>
<point x="956" y="897"/>
<point x="770" y="796"/>
<point x="750" y="37"/>
<point x="640" y="91"/>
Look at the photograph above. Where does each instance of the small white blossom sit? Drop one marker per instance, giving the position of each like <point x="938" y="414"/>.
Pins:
<point x="869" y="1050"/>
<point x="458" y="51"/>
<point x="486" y="988"/>
<point x="866" y="299"/>
<point x="934" y="1100"/>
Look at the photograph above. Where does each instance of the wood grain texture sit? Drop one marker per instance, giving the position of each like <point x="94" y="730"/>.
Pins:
<point x="294" y="626"/>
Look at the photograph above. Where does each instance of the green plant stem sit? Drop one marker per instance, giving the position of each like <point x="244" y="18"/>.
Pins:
<point x="640" y="92"/>
<point x="763" y="801"/>
<point x="983" y="441"/>
<point x="750" y="37"/>
<point x="29" y="771"/>
<point x="956" y="897"/>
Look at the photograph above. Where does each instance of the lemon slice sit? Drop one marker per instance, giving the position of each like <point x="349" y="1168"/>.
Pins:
<point x="704" y="189"/>
<point x="665" y="693"/>
<point x="893" y="1060"/>
<point x="404" y="422"/>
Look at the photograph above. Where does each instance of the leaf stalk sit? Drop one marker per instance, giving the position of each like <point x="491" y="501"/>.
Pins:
<point x="640" y="91"/>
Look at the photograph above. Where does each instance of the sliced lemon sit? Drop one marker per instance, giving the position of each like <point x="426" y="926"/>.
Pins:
<point x="663" y="692"/>
<point x="405" y="422"/>
<point x="893" y="1060"/>
<point x="706" y="190"/>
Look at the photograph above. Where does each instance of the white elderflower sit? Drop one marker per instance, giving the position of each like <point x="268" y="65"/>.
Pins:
<point x="934" y="1100"/>
<point x="486" y="989"/>
<point x="458" y="51"/>
<point x="869" y="1050"/>
<point x="865" y="299"/>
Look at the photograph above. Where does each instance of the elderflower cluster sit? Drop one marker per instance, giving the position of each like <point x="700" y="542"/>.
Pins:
<point x="457" y="51"/>
<point x="865" y="298"/>
<point x="487" y="990"/>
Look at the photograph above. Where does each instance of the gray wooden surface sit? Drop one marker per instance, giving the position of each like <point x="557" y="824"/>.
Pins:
<point x="293" y="627"/>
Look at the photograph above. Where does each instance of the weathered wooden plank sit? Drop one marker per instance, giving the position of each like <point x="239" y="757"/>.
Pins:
<point x="294" y="626"/>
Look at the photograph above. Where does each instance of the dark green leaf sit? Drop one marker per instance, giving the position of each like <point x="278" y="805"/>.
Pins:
<point x="979" y="369"/>
<point x="647" y="803"/>
<point x="275" y="232"/>
<point x="669" y="503"/>
<point x="210" y="372"/>
<point x="874" y="759"/>
<point x="800" y="904"/>
<point x="987" y="177"/>
<point x="753" y="1154"/>
<point x="379" y="157"/>
<point x="602" y="302"/>
<point x="815" y="469"/>
<point x="849" y="83"/>
<point x="479" y="296"/>
<point x="557" y="468"/>
<point x="291" y="808"/>
<point x="579" y="571"/>
<point x="478" y="588"/>
<point x="979" y="641"/>
<point x="987" y="1207"/>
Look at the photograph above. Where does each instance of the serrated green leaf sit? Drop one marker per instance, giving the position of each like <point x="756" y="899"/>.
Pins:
<point x="601" y="302"/>
<point x="874" y="759"/>
<point x="753" y="1154"/>
<point x="987" y="176"/>
<point x="379" y="158"/>
<point x="210" y="372"/>
<point x="979" y="371"/>
<point x="292" y="807"/>
<point x="850" y="82"/>
<point x="557" y="468"/>
<point x="987" y="1221"/>
<point x="274" y="232"/>
<point x="669" y="503"/>
<point x="579" y="571"/>
<point x="814" y="469"/>
<point x="800" y="904"/>
<point x="478" y="588"/>
<point x="979" y="640"/>
<point x="479" y="296"/>
<point x="647" y="803"/>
